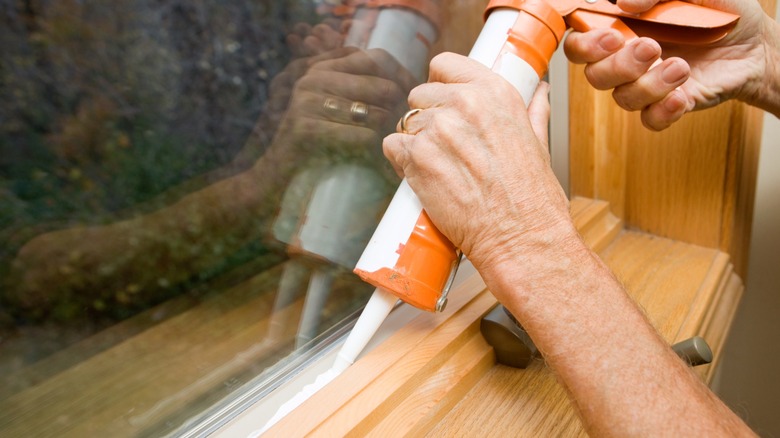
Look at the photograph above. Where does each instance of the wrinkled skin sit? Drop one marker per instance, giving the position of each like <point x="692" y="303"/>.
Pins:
<point x="481" y="171"/>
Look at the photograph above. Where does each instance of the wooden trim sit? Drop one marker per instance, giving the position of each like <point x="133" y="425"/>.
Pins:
<point x="693" y="182"/>
<point x="438" y="377"/>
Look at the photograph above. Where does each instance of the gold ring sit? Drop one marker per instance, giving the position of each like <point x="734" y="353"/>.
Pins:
<point x="359" y="112"/>
<point x="331" y="105"/>
<point x="405" y="119"/>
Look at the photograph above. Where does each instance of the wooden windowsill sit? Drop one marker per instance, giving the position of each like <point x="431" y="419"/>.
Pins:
<point x="437" y="376"/>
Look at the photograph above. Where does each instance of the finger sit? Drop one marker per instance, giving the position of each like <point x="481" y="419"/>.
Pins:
<point x="346" y="112"/>
<point x="322" y="38"/>
<point x="460" y="81"/>
<point x="664" y="113"/>
<point x="453" y="68"/>
<point x="652" y="86"/>
<point x="430" y="95"/>
<point x="624" y="66"/>
<point x="340" y="52"/>
<point x="539" y="112"/>
<point x="395" y="148"/>
<point x="371" y="90"/>
<point x="301" y="29"/>
<point x="393" y="69"/>
<point x="295" y="39"/>
<point x="412" y="122"/>
<point x="592" y="46"/>
<point x="375" y="62"/>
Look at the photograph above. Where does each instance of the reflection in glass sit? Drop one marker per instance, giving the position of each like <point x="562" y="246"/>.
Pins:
<point x="185" y="188"/>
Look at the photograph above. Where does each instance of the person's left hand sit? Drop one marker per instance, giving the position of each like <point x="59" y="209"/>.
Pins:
<point x="479" y="162"/>
<point x="344" y="105"/>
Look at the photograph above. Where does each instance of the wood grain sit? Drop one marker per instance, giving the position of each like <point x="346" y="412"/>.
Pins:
<point x="692" y="182"/>
<point x="436" y="378"/>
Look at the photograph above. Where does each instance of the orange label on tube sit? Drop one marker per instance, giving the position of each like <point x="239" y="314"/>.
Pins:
<point x="424" y="265"/>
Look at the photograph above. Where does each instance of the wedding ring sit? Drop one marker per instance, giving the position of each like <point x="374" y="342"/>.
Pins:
<point x="359" y="112"/>
<point x="405" y="119"/>
<point x="331" y="105"/>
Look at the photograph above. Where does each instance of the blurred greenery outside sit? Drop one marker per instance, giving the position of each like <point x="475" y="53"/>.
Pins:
<point x="106" y="104"/>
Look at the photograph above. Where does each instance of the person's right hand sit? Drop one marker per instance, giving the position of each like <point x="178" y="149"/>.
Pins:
<point x="741" y="66"/>
<point x="479" y="162"/>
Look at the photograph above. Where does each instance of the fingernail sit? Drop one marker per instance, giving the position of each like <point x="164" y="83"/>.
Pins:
<point x="674" y="102"/>
<point x="674" y="72"/>
<point x="610" y="42"/>
<point x="645" y="51"/>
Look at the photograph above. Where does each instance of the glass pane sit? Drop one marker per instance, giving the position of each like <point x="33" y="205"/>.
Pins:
<point x="185" y="187"/>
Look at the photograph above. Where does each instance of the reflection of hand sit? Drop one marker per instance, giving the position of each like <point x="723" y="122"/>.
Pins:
<point x="308" y="45"/>
<point x="741" y="66"/>
<point x="479" y="162"/>
<point x="345" y="103"/>
<point x="307" y="40"/>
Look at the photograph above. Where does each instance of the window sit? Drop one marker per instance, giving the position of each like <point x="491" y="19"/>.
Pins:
<point x="184" y="189"/>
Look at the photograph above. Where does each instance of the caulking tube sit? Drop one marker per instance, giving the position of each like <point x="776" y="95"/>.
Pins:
<point x="328" y="233"/>
<point x="407" y="256"/>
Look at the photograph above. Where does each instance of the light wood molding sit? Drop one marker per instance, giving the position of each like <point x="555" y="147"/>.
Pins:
<point x="437" y="377"/>
<point x="693" y="182"/>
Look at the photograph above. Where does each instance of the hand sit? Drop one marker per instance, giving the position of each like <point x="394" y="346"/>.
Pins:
<point x="690" y="77"/>
<point x="479" y="162"/>
<point x="345" y="103"/>
<point x="305" y="40"/>
<point x="308" y="45"/>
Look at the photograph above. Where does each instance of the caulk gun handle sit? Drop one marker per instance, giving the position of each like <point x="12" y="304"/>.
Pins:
<point x="583" y="21"/>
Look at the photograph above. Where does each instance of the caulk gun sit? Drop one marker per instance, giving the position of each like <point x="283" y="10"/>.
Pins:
<point x="407" y="258"/>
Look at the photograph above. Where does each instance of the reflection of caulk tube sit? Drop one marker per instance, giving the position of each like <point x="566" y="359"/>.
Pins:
<point x="405" y="29"/>
<point x="316" y="296"/>
<point x="342" y="203"/>
<point x="291" y="282"/>
<point x="354" y="196"/>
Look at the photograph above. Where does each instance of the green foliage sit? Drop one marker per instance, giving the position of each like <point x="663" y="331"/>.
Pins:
<point x="107" y="105"/>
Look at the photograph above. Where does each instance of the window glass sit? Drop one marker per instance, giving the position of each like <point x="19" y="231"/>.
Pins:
<point x="185" y="187"/>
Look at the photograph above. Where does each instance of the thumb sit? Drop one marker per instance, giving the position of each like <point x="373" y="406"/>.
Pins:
<point x="539" y="111"/>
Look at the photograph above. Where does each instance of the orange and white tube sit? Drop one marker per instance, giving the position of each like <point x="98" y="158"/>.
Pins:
<point x="407" y="256"/>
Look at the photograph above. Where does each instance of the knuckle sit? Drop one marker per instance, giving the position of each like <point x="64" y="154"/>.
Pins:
<point x="575" y="48"/>
<point x="469" y="100"/>
<point x="651" y="123"/>
<point x="440" y="61"/>
<point x="595" y="78"/>
<point x="389" y="93"/>
<point x="308" y="81"/>
<point x="626" y="100"/>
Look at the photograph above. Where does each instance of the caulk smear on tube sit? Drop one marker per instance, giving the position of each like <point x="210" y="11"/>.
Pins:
<point x="375" y="312"/>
